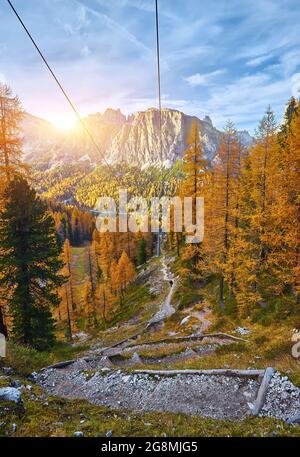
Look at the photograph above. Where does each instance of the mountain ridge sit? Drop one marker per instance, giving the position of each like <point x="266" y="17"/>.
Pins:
<point x="132" y="139"/>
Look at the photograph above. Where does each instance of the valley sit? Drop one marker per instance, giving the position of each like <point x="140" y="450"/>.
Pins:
<point x="136" y="327"/>
<point x="157" y="363"/>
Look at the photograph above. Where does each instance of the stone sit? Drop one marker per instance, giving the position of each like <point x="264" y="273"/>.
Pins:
<point x="294" y="419"/>
<point x="7" y="370"/>
<point x="109" y="434"/>
<point x="242" y="331"/>
<point x="78" y="434"/>
<point x="33" y="377"/>
<point x="10" y="394"/>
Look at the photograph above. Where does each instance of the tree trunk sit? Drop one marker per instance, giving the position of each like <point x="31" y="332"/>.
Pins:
<point x="4" y="142"/>
<point x="91" y="270"/>
<point x="221" y="302"/>
<point x="68" y="313"/>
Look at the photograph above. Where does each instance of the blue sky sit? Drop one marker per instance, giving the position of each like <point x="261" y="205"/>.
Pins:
<point x="225" y="59"/>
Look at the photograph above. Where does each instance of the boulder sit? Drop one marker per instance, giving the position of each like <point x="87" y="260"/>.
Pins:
<point x="10" y="394"/>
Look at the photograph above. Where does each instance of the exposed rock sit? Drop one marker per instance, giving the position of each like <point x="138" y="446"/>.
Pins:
<point x="136" y="358"/>
<point x="282" y="399"/>
<point x="33" y="377"/>
<point x="7" y="370"/>
<point x="78" y="434"/>
<point x="185" y="320"/>
<point x="10" y="394"/>
<point x="242" y="331"/>
<point x="15" y="383"/>
<point x="294" y="419"/>
<point x="215" y="396"/>
<point x="134" y="139"/>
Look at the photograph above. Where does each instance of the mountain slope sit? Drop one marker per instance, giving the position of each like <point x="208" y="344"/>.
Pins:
<point x="133" y="139"/>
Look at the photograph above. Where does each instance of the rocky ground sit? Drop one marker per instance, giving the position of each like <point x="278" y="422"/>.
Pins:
<point x="218" y="397"/>
<point x="282" y="400"/>
<point x="111" y="375"/>
<point x="98" y="378"/>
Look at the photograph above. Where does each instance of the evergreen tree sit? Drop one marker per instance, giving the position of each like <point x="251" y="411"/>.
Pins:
<point x="142" y="251"/>
<point x="30" y="264"/>
<point x="290" y="110"/>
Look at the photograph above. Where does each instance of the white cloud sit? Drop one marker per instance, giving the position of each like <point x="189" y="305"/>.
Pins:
<point x="203" y="79"/>
<point x="258" y="60"/>
<point x="116" y="28"/>
<point x="188" y="52"/>
<point x="85" y="51"/>
<point x="296" y="85"/>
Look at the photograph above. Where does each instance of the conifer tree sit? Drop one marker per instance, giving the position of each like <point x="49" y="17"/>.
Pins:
<point x="192" y="185"/>
<point x="30" y="264"/>
<point x="104" y="299"/>
<point x="285" y="213"/>
<point x="67" y="260"/>
<point x="221" y="205"/>
<point x="125" y="272"/>
<point x="194" y="167"/>
<point x="10" y="138"/>
<point x="89" y="301"/>
<point x="142" y="251"/>
<point x="258" y="189"/>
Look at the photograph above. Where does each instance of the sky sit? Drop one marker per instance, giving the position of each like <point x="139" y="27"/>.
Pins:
<point x="228" y="59"/>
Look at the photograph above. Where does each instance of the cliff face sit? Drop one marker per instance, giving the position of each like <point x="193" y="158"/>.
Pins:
<point x="138" y="142"/>
<point x="133" y="139"/>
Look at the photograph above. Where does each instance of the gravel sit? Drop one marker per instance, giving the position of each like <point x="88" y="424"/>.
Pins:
<point x="282" y="399"/>
<point x="217" y="396"/>
<point x="214" y="396"/>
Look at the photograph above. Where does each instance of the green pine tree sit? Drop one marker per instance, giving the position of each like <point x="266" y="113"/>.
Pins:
<point x="29" y="263"/>
<point x="142" y="251"/>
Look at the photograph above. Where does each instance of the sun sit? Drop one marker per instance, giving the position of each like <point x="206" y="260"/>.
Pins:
<point x="64" y="121"/>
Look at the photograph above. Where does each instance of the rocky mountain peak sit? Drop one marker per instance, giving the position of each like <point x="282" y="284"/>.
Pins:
<point x="114" y="116"/>
<point x="134" y="139"/>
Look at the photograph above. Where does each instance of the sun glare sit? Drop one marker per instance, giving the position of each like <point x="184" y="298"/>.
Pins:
<point x="64" y="122"/>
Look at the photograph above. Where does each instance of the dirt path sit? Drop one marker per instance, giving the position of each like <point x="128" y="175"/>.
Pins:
<point x="202" y="316"/>
<point x="97" y="377"/>
<point x="215" y="396"/>
<point x="166" y="309"/>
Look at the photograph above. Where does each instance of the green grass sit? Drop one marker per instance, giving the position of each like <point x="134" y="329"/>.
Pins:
<point x="79" y="263"/>
<point x="185" y="295"/>
<point x="26" y="360"/>
<point x="58" y="417"/>
<point x="135" y="302"/>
